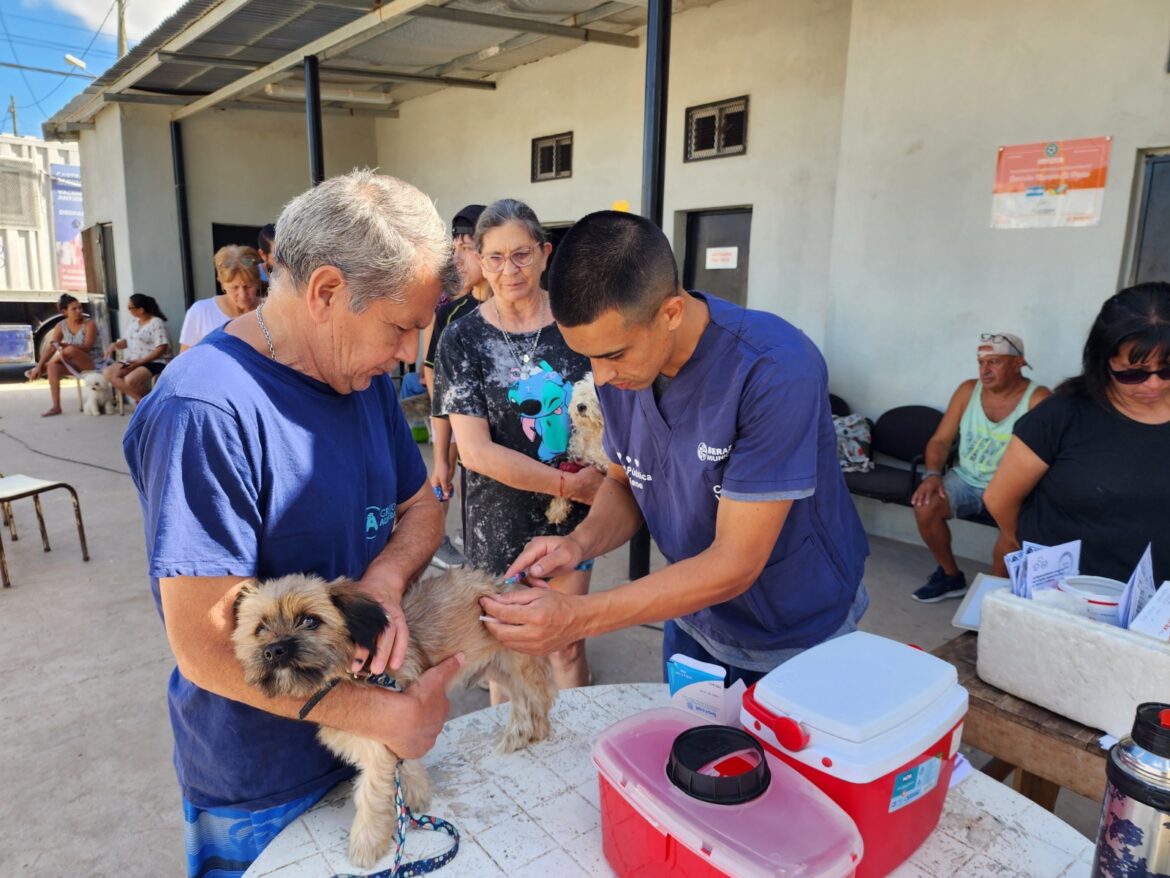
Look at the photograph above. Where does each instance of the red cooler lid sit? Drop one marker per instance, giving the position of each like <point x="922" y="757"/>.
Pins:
<point x="857" y="686"/>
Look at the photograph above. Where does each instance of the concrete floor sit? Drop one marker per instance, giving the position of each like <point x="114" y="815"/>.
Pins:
<point x="88" y="787"/>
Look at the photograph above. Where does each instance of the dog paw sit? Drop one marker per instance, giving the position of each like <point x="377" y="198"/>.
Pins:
<point x="366" y="847"/>
<point x="519" y="734"/>
<point x="416" y="786"/>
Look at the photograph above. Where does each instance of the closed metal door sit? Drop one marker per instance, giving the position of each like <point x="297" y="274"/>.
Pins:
<point x="716" y="258"/>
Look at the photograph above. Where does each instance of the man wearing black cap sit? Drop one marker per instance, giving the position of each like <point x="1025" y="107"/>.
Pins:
<point x="475" y="290"/>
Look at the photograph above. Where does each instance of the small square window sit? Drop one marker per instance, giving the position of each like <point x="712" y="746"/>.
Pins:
<point x="716" y="130"/>
<point x="552" y="157"/>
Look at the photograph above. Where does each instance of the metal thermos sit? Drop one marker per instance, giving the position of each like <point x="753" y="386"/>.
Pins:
<point x="1134" y="838"/>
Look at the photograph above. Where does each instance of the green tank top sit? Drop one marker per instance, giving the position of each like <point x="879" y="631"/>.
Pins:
<point x="982" y="441"/>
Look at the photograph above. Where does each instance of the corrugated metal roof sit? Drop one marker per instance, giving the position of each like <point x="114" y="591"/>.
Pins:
<point x="262" y="31"/>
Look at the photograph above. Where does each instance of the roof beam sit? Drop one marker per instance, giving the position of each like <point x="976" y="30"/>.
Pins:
<point x="267" y="106"/>
<point x="359" y="73"/>
<point x="357" y="31"/>
<point x="527" y="25"/>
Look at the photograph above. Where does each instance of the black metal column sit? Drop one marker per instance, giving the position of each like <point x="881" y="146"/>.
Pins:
<point x="653" y="178"/>
<point x="313" y="120"/>
<point x="180" y="173"/>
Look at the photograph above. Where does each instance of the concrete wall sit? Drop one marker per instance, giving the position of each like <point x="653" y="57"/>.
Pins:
<point x="103" y="186"/>
<point x="934" y="87"/>
<point x="466" y="146"/>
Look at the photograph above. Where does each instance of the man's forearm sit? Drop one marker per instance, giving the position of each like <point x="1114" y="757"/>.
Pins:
<point x="612" y="520"/>
<point x="411" y="546"/>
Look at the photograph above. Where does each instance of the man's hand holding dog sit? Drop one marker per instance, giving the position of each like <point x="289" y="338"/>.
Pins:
<point x="381" y="584"/>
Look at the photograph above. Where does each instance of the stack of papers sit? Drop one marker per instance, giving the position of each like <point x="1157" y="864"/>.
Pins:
<point x="1143" y="607"/>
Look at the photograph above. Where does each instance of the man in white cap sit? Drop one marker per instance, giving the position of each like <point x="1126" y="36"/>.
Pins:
<point x="981" y="414"/>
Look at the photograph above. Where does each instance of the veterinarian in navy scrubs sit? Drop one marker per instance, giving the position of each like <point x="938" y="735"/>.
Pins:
<point x="277" y="446"/>
<point x="718" y="425"/>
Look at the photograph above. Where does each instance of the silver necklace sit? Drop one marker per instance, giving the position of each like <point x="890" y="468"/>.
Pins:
<point x="521" y="361"/>
<point x="264" y="329"/>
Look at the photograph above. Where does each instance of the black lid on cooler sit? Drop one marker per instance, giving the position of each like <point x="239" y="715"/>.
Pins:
<point x="1151" y="728"/>
<point x="694" y="765"/>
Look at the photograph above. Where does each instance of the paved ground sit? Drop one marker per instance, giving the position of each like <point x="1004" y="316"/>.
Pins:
<point x="85" y="769"/>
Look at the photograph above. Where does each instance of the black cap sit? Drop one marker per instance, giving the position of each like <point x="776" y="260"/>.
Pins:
<point x="1151" y="728"/>
<point x="465" y="220"/>
<point x="702" y="745"/>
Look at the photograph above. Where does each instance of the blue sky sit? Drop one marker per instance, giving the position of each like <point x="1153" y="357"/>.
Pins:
<point x="38" y="33"/>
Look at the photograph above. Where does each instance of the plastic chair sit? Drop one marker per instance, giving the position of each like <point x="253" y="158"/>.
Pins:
<point x="901" y="434"/>
<point x="18" y="487"/>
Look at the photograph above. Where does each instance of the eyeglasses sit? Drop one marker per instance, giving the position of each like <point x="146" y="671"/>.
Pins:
<point x="522" y="258"/>
<point x="996" y="337"/>
<point x="1139" y="376"/>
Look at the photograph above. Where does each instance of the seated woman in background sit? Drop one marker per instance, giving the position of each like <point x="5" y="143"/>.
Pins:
<point x="237" y="269"/>
<point x="1088" y="463"/>
<point x="72" y="348"/>
<point x="147" y="346"/>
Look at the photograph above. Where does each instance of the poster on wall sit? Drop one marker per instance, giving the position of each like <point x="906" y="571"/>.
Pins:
<point x="1050" y="185"/>
<point x="67" y="219"/>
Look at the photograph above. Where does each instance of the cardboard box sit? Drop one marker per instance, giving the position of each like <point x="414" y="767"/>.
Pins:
<point x="1087" y="671"/>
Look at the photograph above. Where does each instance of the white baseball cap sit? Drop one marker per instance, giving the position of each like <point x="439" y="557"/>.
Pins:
<point x="1001" y="344"/>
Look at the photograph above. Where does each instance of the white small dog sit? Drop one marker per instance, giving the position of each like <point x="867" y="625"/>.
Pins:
<point x="97" y="396"/>
<point x="584" y="440"/>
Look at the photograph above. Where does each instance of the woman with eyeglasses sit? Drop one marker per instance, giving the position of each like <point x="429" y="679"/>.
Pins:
<point x="237" y="269"/>
<point x="503" y="376"/>
<point x="1089" y="462"/>
<point x="147" y="347"/>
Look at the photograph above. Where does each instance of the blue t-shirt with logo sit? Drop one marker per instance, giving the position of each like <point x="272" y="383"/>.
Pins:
<point x="747" y="418"/>
<point x="245" y="467"/>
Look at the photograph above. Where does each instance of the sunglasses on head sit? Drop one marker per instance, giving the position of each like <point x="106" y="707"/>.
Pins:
<point x="1139" y="376"/>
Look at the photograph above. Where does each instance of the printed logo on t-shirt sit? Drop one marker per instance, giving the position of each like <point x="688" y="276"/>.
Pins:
<point x="378" y="517"/>
<point x="711" y="454"/>
<point x="541" y="401"/>
<point x="634" y="473"/>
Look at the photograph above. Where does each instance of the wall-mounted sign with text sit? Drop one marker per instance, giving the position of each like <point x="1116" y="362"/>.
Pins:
<point x="1050" y="185"/>
<point x="722" y="258"/>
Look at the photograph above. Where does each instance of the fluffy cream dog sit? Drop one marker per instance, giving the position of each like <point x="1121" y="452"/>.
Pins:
<point x="296" y="634"/>
<point x="97" y="396"/>
<point x="584" y="440"/>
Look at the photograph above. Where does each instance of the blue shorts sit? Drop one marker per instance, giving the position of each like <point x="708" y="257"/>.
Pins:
<point x="964" y="499"/>
<point x="222" y="842"/>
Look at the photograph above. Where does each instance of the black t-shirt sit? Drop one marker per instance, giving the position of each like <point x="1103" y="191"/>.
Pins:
<point x="1107" y="485"/>
<point x="447" y="314"/>
<point x="481" y="373"/>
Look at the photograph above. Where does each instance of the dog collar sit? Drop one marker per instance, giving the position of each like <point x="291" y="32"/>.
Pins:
<point x="385" y="681"/>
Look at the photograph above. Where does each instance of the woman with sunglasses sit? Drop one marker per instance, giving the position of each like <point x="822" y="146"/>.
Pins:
<point x="1088" y="463"/>
<point x="147" y="347"/>
<point x="503" y="376"/>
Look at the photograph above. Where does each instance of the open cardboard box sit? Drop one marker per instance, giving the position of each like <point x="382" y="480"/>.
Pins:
<point x="1085" y="670"/>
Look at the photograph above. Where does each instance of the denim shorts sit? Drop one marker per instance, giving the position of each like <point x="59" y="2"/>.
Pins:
<point x="964" y="499"/>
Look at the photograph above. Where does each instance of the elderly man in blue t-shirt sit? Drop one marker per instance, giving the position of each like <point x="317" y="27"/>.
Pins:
<point x="718" y="425"/>
<point x="277" y="446"/>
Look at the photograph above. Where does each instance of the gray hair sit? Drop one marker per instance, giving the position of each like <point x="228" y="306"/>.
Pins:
<point x="378" y="231"/>
<point x="508" y="210"/>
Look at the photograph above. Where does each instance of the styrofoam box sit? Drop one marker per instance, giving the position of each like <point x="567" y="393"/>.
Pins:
<point x="1088" y="671"/>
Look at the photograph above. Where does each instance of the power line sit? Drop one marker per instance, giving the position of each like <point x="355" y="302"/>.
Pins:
<point x="51" y="23"/>
<point x="16" y="58"/>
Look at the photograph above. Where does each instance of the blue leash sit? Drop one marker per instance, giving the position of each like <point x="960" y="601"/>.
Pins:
<point x="408" y="820"/>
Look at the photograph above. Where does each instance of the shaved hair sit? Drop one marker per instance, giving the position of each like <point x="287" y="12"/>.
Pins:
<point x="614" y="261"/>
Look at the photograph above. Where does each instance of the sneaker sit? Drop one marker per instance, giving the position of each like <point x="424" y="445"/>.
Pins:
<point x="940" y="587"/>
<point x="447" y="556"/>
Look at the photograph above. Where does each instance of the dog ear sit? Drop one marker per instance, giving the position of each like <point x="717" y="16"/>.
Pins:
<point x="248" y="588"/>
<point x="364" y="617"/>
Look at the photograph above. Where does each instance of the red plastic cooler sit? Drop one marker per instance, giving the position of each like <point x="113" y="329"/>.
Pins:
<point x="653" y="828"/>
<point x="873" y="723"/>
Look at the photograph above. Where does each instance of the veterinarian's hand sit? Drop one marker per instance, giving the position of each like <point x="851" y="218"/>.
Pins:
<point x="546" y="557"/>
<point x="441" y="477"/>
<point x="429" y="693"/>
<point x="582" y="485"/>
<point x="926" y="491"/>
<point x="535" y="621"/>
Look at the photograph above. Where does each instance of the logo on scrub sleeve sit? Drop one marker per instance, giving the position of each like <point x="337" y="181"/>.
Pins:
<point x="378" y="517"/>
<point x="634" y="473"/>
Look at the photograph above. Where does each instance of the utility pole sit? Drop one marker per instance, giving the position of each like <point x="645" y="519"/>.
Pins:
<point x="12" y="110"/>
<point x="121" y="28"/>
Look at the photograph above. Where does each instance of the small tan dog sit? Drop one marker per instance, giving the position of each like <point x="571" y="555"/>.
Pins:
<point x="584" y="440"/>
<point x="295" y="634"/>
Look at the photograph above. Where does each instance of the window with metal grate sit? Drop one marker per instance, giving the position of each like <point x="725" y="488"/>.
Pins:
<point x="716" y="130"/>
<point x="18" y="194"/>
<point x="552" y="157"/>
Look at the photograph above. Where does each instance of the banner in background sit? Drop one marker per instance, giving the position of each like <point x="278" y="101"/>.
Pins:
<point x="1050" y="185"/>
<point x="67" y="219"/>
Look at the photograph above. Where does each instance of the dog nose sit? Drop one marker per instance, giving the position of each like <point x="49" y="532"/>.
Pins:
<point x="279" y="653"/>
<point x="581" y="408"/>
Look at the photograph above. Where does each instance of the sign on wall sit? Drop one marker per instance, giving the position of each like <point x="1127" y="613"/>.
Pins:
<point x="67" y="219"/>
<point x="1050" y="185"/>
